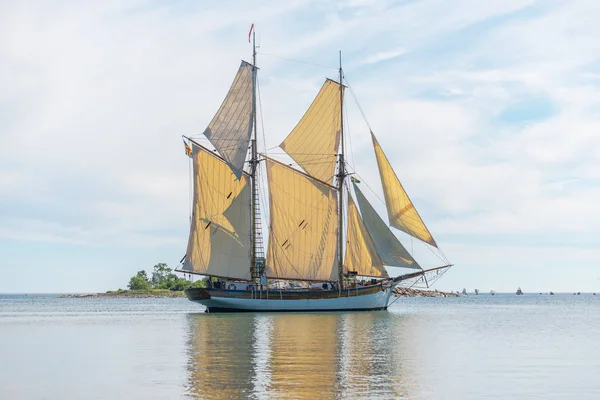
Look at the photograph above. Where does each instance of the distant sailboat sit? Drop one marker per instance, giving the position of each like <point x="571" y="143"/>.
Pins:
<point x="476" y="291"/>
<point x="519" y="292"/>
<point x="492" y="292"/>
<point x="464" y="292"/>
<point x="306" y="215"/>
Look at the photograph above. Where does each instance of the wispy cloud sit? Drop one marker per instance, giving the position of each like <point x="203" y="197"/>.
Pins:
<point x="384" y="56"/>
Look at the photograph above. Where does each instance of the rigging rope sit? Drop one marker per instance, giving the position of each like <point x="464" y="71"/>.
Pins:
<point x="357" y="103"/>
<point x="299" y="61"/>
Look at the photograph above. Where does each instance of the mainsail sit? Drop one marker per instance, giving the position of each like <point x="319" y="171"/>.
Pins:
<point x="361" y="254"/>
<point x="388" y="247"/>
<point x="401" y="211"/>
<point x="315" y="140"/>
<point x="231" y="127"/>
<point x="303" y="226"/>
<point x="219" y="242"/>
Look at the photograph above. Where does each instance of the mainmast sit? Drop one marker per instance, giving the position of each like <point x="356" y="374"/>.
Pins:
<point x="341" y="177"/>
<point x="253" y="168"/>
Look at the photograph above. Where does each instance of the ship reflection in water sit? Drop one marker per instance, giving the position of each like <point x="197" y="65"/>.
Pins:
<point x="348" y="355"/>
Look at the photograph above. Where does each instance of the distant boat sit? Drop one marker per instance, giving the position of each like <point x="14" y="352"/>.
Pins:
<point x="464" y="292"/>
<point x="492" y="292"/>
<point x="476" y="291"/>
<point x="551" y="293"/>
<point x="519" y="292"/>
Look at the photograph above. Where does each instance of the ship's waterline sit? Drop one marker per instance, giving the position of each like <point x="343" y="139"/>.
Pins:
<point x="374" y="299"/>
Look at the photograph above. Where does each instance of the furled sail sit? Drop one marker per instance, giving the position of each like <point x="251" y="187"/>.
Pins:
<point x="219" y="242"/>
<point x="401" y="211"/>
<point x="303" y="226"/>
<point x="388" y="247"/>
<point x="361" y="254"/>
<point x="315" y="140"/>
<point x="231" y="127"/>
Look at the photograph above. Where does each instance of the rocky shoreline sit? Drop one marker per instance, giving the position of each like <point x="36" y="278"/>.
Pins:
<point x="408" y="292"/>
<point x="398" y="292"/>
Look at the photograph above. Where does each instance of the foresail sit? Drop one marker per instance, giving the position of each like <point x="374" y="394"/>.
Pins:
<point x="219" y="242"/>
<point x="401" y="211"/>
<point x="361" y="254"/>
<point x="315" y="140"/>
<point x="303" y="226"/>
<point x="231" y="127"/>
<point x="391" y="251"/>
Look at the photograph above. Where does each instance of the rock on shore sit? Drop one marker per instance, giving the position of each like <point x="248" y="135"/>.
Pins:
<point x="408" y="292"/>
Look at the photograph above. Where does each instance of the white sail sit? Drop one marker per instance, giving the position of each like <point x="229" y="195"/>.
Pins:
<point x="231" y="127"/>
<point x="315" y="140"/>
<point x="303" y="226"/>
<point x="389" y="248"/>
<point x="401" y="211"/>
<point x="361" y="254"/>
<point x="219" y="242"/>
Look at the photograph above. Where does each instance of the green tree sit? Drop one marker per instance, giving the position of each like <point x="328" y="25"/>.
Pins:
<point x="140" y="281"/>
<point x="161" y="274"/>
<point x="164" y="278"/>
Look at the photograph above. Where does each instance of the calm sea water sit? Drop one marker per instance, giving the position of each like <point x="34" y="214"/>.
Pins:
<point x="499" y="347"/>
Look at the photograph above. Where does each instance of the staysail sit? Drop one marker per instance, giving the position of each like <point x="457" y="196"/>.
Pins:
<point x="219" y="242"/>
<point x="388" y="247"/>
<point x="231" y="127"/>
<point x="401" y="211"/>
<point x="361" y="254"/>
<point x="303" y="226"/>
<point x="315" y="140"/>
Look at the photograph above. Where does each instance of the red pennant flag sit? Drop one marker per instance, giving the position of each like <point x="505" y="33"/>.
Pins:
<point x="250" y="33"/>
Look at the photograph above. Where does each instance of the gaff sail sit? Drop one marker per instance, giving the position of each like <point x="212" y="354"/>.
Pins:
<point x="219" y="242"/>
<point x="303" y="226"/>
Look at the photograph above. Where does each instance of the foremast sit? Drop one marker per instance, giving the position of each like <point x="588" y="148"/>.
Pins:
<point x="341" y="175"/>
<point x="253" y="162"/>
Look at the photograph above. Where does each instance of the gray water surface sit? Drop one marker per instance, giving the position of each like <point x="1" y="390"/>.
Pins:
<point x="498" y="347"/>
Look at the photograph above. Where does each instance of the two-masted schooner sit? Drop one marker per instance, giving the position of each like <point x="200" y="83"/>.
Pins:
<point x="307" y="242"/>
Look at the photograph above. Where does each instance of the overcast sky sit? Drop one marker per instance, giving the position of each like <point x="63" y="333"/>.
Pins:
<point x="488" y="110"/>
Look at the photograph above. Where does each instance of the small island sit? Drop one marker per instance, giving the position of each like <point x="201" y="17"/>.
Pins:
<point x="164" y="283"/>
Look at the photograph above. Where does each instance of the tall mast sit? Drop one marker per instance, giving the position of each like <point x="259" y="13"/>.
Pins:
<point x="253" y="167"/>
<point x="341" y="176"/>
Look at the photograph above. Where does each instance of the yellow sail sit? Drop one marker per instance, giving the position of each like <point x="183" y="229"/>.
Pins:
<point x="314" y="142"/>
<point x="401" y="211"/>
<point x="231" y="127"/>
<point x="303" y="226"/>
<point x="219" y="242"/>
<point x="361" y="254"/>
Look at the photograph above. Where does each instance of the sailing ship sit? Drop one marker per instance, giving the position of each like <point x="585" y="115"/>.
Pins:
<point x="312" y="263"/>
